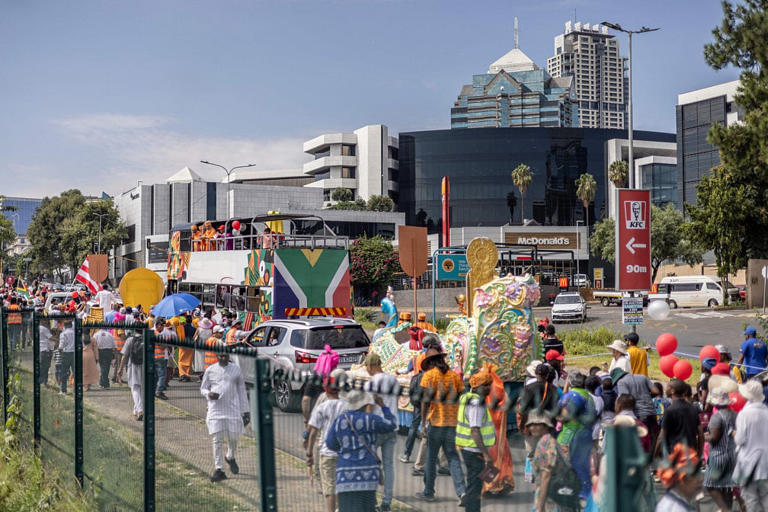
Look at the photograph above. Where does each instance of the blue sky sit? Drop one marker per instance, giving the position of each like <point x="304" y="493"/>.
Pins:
<point x="98" y="94"/>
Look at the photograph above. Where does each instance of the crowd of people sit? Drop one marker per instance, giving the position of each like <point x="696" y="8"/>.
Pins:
<point x="229" y="236"/>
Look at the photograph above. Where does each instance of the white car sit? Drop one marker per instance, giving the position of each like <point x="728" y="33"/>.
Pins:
<point x="569" y="307"/>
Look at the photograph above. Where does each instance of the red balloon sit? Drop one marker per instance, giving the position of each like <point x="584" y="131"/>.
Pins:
<point x="75" y="295"/>
<point x="737" y="401"/>
<point x="709" y="352"/>
<point x="666" y="344"/>
<point x="722" y="369"/>
<point x="236" y="224"/>
<point x="682" y="369"/>
<point x="667" y="365"/>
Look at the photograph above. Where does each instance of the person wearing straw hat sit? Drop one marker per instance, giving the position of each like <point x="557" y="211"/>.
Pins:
<point x="353" y="436"/>
<point x="620" y="358"/>
<point x="751" y="471"/>
<point x="718" y="478"/>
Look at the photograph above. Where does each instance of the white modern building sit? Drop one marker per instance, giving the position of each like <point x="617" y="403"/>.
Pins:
<point x="364" y="161"/>
<point x="696" y="111"/>
<point x="590" y="54"/>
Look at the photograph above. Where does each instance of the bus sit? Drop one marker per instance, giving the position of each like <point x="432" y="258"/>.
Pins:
<point x="273" y="266"/>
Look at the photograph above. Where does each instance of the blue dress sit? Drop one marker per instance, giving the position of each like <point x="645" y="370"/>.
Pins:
<point x="356" y="467"/>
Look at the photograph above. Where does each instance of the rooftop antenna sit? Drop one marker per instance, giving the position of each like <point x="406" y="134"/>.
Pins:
<point x="516" y="44"/>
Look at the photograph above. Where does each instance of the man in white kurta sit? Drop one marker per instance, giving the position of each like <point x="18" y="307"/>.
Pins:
<point x="224" y="388"/>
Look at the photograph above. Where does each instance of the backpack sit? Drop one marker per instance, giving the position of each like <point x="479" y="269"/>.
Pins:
<point x="564" y="484"/>
<point x="414" y="389"/>
<point x="136" y="355"/>
<point x="327" y="362"/>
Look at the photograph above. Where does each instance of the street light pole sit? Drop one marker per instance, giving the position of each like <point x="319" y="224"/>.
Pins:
<point x="631" y="162"/>
<point x="578" y="246"/>
<point x="100" y="216"/>
<point x="228" y="172"/>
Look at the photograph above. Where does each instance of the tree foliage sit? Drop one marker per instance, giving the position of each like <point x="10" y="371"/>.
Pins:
<point x="7" y="234"/>
<point x="65" y="229"/>
<point x="669" y="239"/>
<point x="730" y="216"/>
<point x="357" y="204"/>
<point x="522" y="177"/>
<point x="381" y="204"/>
<point x="618" y="173"/>
<point x="342" y="194"/>
<point x="372" y="262"/>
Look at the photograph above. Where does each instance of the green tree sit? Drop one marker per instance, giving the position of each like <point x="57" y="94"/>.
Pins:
<point x="46" y="229"/>
<point x="342" y="194"/>
<point x="669" y="239"/>
<point x="7" y="234"/>
<point x="618" y="174"/>
<point x="372" y="262"/>
<point x="730" y="215"/>
<point x="522" y="178"/>
<point x="586" y="188"/>
<point x="380" y="204"/>
<point x="80" y="233"/>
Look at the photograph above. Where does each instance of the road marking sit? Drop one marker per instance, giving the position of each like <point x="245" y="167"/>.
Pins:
<point x="690" y="315"/>
<point x="715" y="314"/>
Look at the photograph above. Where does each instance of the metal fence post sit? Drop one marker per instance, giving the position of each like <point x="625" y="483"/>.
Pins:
<point x="149" y="420"/>
<point x="36" y="380"/>
<point x="261" y="414"/>
<point x="79" y="401"/>
<point x="4" y="352"/>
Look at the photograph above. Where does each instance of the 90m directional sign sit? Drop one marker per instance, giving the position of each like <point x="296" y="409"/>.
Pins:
<point x="633" y="240"/>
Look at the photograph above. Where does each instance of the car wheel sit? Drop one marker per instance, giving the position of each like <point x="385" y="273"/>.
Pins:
<point x="672" y="304"/>
<point x="605" y="301"/>
<point x="285" y="398"/>
<point x="712" y="303"/>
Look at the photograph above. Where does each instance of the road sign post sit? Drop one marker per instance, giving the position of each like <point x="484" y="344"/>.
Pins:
<point x="633" y="240"/>
<point x="765" y="279"/>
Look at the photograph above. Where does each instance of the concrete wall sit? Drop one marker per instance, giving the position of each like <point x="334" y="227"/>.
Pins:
<point x="755" y="283"/>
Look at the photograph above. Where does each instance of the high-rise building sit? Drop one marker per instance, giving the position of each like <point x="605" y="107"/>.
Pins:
<point x="19" y="210"/>
<point x="591" y="56"/>
<point x="515" y="93"/>
<point x="364" y="161"/>
<point x="696" y="111"/>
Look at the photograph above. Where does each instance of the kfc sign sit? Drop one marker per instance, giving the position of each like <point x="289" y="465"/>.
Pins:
<point x="633" y="240"/>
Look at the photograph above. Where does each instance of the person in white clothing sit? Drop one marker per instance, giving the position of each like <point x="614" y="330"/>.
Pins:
<point x="107" y="348"/>
<point x="323" y="416"/>
<point x="224" y="388"/>
<point x="67" y="348"/>
<point x="751" y="452"/>
<point x="46" y="353"/>
<point x="620" y="357"/>
<point x="105" y="298"/>
<point x="133" y="359"/>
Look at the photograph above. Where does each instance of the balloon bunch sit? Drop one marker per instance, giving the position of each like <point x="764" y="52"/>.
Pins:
<point x="669" y="364"/>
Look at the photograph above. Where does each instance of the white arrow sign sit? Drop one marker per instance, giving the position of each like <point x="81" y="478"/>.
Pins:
<point x="631" y="245"/>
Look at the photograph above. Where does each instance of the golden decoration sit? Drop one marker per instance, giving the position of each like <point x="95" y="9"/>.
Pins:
<point x="482" y="256"/>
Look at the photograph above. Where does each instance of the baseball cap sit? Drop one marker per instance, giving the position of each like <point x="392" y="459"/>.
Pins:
<point x="750" y="331"/>
<point x="553" y="354"/>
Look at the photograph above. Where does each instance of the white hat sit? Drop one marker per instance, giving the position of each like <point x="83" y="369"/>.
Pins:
<point x="722" y="381"/>
<point x="531" y="368"/>
<point x="357" y="399"/>
<point x="752" y="391"/>
<point x="624" y="420"/>
<point x="719" y="397"/>
<point x="219" y="328"/>
<point x="619" y="346"/>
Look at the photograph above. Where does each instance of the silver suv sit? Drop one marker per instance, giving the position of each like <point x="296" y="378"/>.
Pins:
<point x="295" y="345"/>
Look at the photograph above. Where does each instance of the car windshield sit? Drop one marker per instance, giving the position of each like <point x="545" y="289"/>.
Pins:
<point x="338" y="337"/>
<point x="567" y="299"/>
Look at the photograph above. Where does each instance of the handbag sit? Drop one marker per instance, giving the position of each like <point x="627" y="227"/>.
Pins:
<point x="564" y="484"/>
<point x="367" y="447"/>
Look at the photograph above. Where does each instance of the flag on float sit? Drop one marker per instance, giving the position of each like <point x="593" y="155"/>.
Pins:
<point x="84" y="277"/>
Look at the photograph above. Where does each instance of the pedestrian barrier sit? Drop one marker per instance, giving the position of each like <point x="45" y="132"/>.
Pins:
<point x="165" y="459"/>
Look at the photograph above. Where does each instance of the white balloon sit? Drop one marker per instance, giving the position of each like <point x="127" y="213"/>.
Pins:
<point x="658" y="309"/>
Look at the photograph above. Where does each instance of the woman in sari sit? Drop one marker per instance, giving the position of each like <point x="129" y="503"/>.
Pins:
<point x="504" y="483"/>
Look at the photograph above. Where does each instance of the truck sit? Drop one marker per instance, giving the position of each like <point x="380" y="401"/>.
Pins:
<point x="609" y="297"/>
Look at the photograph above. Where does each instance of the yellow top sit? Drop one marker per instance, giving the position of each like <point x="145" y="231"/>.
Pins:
<point x="638" y="360"/>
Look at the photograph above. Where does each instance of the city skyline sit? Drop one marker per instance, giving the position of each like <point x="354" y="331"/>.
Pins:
<point x="102" y="96"/>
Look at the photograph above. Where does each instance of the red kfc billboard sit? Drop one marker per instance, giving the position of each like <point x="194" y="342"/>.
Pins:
<point x="633" y="240"/>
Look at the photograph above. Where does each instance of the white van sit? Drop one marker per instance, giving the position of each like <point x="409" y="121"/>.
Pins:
<point x="690" y="291"/>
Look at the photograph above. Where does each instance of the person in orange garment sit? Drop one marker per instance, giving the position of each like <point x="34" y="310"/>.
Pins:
<point x="423" y="324"/>
<point x="208" y="233"/>
<point x="504" y="483"/>
<point x="186" y="355"/>
<point x="196" y="236"/>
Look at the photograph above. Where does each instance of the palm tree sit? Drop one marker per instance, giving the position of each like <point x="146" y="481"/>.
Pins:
<point x="617" y="173"/>
<point x="586" y="187"/>
<point x="522" y="178"/>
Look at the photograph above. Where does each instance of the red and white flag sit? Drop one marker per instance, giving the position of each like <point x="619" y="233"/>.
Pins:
<point x="85" y="277"/>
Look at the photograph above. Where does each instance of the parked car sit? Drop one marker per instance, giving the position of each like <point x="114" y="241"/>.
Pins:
<point x="295" y="346"/>
<point x="569" y="306"/>
<point x="581" y="280"/>
<point x="692" y="291"/>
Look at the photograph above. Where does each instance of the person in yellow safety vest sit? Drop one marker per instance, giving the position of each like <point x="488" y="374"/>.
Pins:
<point x="14" y="322"/>
<point x="475" y="434"/>
<point x="211" y="357"/>
<point x="423" y="324"/>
